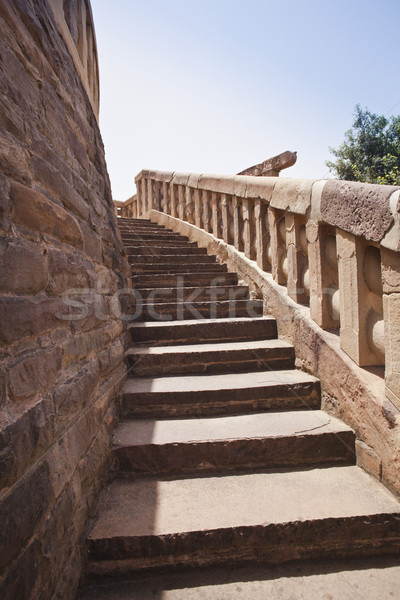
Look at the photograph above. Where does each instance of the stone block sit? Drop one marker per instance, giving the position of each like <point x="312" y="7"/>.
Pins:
<point x="21" y="510"/>
<point x="35" y="373"/>
<point x="68" y="271"/>
<point x="26" y="316"/>
<point x="293" y="195"/>
<point x="362" y="209"/>
<point x="368" y="459"/>
<point x="23" y="268"/>
<point x="391" y="312"/>
<point x="29" y="206"/>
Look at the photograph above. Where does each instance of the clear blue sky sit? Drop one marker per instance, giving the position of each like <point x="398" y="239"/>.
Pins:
<point x="215" y="86"/>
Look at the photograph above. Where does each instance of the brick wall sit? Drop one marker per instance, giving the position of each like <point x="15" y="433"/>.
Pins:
<point x="61" y="352"/>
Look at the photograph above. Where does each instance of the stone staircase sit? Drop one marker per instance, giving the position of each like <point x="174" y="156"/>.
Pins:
<point x="223" y="455"/>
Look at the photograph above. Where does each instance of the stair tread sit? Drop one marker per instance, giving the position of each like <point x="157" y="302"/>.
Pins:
<point x="225" y="381"/>
<point x="188" y="322"/>
<point x="213" y="347"/>
<point x="144" y="432"/>
<point x="162" y="507"/>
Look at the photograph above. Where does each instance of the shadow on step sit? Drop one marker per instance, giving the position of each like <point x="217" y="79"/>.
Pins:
<point x="368" y="579"/>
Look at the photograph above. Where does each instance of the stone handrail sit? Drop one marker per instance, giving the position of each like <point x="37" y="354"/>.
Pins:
<point x="75" y="22"/>
<point x="333" y="244"/>
<point x="127" y="209"/>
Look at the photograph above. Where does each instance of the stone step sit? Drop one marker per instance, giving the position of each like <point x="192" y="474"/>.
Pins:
<point x="168" y="311"/>
<point x="133" y="242"/>
<point x="195" y="294"/>
<point x="179" y="259"/>
<point x="127" y="227"/>
<point x="219" y="357"/>
<point x="227" y="394"/>
<point x="271" y="517"/>
<point x="145" y="250"/>
<point x="190" y="279"/>
<point x="124" y="220"/>
<point x="175" y="447"/>
<point x="203" y="330"/>
<point x="159" y="236"/>
<point x="366" y="578"/>
<point x="170" y="267"/>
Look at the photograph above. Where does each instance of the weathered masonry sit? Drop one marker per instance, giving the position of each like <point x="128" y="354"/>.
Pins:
<point x="316" y="263"/>
<point x="60" y="375"/>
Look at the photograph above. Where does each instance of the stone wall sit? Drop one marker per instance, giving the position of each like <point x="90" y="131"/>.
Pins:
<point x="61" y="353"/>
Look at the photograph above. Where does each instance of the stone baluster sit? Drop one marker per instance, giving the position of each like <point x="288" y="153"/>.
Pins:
<point x="181" y="202"/>
<point x="189" y="205"/>
<point x="323" y="274"/>
<point x="237" y="224"/>
<point x="157" y="195"/>
<point x="197" y="208"/>
<point x="277" y="232"/>
<point x="164" y="200"/>
<point x="246" y="227"/>
<point x="296" y="247"/>
<point x="216" y="230"/>
<point x="360" y="299"/>
<point x="206" y="209"/>
<point x="391" y="312"/>
<point x="172" y="193"/>
<point x="150" y="195"/>
<point x="226" y="218"/>
<point x="262" y="233"/>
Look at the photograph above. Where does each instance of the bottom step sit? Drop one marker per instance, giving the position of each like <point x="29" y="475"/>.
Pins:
<point x="364" y="579"/>
<point x="272" y="517"/>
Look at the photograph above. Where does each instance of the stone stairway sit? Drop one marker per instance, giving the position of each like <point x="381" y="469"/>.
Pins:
<point x="223" y="455"/>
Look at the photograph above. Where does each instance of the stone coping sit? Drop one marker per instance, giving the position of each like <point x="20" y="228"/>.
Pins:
<point x="364" y="210"/>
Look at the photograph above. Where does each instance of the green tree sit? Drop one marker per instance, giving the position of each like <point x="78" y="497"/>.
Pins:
<point x="370" y="151"/>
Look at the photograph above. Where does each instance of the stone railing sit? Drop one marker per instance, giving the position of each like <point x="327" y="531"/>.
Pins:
<point x="127" y="209"/>
<point x="333" y="244"/>
<point x="75" y="21"/>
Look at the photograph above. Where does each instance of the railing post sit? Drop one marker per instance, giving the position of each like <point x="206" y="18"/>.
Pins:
<point x="226" y="225"/>
<point x="323" y="270"/>
<point x="262" y="234"/>
<point x="237" y="224"/>
<point x="172" y="192"/>
<point x="391" y="313"/>
<point x="189" y="205"/>
<point x="357" y="319"/>
<point x="197" y="207"/>
<point x="277" y="228"/>
<point x="181" y="202"/>
<point x="296" y="259"/>
<point x="215" y="216"/>
<point x="206" y="210"/>
<point x="246" y="215"/>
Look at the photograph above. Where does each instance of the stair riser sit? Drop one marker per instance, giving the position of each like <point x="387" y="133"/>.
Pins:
<point x="134" y="242"/>
<point x="207" y="310"/>
<point x="184" y="280"/>
<point x="157" y="236"/>
<point x="184" y="259"/>
<point x="195" y="294"/>
<point x="206" y="332"/>
<point x="134" y="251"/>
<point x="171" y="268"/>
<point x="211" y="362"/>
<point x="222" y="402"/>
<point x="220" y="457"/>
<point x="271" y="544"/>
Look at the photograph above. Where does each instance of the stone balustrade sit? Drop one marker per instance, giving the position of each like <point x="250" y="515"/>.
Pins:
<point x="333" y="244"/>
<point x="127" y="209"/>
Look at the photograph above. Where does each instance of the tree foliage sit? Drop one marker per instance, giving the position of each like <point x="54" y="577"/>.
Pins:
<point x="370" y="151"/>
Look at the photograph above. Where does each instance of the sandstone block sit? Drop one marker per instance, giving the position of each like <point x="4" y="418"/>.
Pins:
<point x="292" y="194"/>
<point x="35" y="373"/>
<point x="358" y="208"/>
<point x="23" y="268"/>
<point x="21" y="511"/>
<point x="69" y="270"/>
<point x="368" y="459"/>
<point x="29" y="206"/>
<point x="30" y="315"/>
